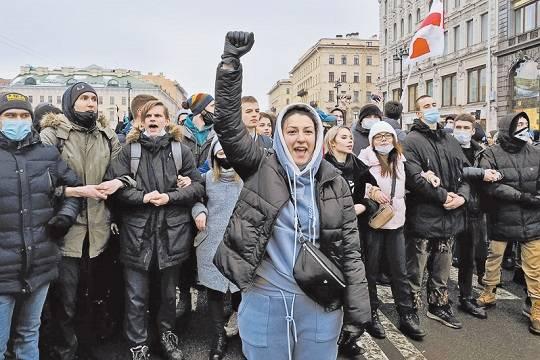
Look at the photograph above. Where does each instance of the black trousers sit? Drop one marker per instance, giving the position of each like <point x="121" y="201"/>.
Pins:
<point x="393" y="242"/>
<point x="138" y="292"/>
<point x="216" y="308"/>
<point x="471" y="246"/>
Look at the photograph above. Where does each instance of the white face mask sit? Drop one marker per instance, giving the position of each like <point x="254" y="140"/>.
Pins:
<point x="384" y="149"/>
<point x="368" y="123"/>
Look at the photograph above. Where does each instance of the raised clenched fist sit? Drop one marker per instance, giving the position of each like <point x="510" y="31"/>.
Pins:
<point x="237" y="44"/>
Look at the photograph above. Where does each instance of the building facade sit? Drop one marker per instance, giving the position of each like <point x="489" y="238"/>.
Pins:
<point x="336" y="69"/>
<point x="280" y="95"/>
<point x="463" y="79"/>
<point x="115" y="88"/>
<point x="518" y="59"/>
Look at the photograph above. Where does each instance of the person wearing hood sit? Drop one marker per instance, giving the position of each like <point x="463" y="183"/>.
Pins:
<point x="222" y="187"/>
<point x="340" y="114"/>
<point x="435" y="215"/>
<point x="88" y="145"/>
<point x="290" y="195"/>
<point x="369" y="115"/>
<point x="156" y="232"/>
<point x="181" y="116"/>
<point x="515" y="214"/>
<point x="385" y="161"/>
<point x="32" y="224"/>
<point x="40" y="111"/>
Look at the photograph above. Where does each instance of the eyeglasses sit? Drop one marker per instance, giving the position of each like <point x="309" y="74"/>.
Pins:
<point x="386" y="136"/>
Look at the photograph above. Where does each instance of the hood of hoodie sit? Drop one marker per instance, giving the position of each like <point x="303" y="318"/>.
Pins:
<point x="282" y="152"/>
<point x="507" y="126"/>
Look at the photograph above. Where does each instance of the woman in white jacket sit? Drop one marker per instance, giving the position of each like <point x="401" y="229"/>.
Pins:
<point x="386" y="162"/>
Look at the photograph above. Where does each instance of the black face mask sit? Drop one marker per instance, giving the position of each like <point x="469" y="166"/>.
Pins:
<point x="208" y="117"/>
<point x="224" y="163"/>
<point x="86" y="119"/>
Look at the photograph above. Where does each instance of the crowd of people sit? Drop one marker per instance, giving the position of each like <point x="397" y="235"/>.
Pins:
<point x="288" y="218"/>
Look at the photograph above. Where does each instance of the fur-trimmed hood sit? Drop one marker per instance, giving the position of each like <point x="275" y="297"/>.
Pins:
<point x="174" y="130"/>
<point x="57" y="120"/>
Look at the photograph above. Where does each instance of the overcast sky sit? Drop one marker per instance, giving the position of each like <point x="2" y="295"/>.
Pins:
<point x="182" y="39"/>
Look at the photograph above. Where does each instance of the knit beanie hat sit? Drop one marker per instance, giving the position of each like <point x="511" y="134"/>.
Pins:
<point x="369" y="109"/>
<point x="381" y="127"/>
<point x="197" y="102"/>
<point x="75" y="91"/>
<point x="13" y="100"/>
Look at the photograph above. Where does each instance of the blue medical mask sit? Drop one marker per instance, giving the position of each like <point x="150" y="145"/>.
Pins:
<point x="463" y="137"/>
<point x="16" y="130"/>
<point x="432" y="116"/>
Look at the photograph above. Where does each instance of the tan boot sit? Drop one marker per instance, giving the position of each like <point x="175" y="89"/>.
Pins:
<point x="535" y="317"/>
<point x="487" y="297"/>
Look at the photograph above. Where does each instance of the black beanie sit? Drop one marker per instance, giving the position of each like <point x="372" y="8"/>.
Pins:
<point x="41" y="110"/>
<point x="13" y="100"/>
<point x="369" y="109"/>
<point x="75" y="91"/>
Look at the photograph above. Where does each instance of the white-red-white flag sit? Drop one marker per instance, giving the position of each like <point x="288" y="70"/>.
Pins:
<point x="429" y="38"/>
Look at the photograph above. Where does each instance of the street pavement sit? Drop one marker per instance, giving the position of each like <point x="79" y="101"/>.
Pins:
<point x="504" y="335"/>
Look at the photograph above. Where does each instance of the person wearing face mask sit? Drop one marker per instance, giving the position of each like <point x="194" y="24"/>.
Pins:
<point x="88" y="145"/>
<point x="222" y="187"/>
<point x="156" y="232"/>
<point x="515" y="214"/>
<point x="369" y="115"/>
<point x="386" y="163"/>
<point x="31" y="224"/>
<point x="435" y="215"/>
<point x="290" y="194"/>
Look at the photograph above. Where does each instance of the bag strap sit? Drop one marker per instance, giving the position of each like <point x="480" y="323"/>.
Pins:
<point x="392" y="193"/>
<point x="135" y="157"/>
<point x="177" y="155"/>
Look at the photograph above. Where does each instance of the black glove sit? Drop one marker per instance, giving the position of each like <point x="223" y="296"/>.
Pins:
<point x="58" y="227"/>
<point x="347" y="343"/>
<point x="529" y="200"/>
<point x="237" y="44"/>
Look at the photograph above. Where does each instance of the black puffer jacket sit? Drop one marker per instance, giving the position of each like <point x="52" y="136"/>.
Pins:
<point x="475" y="177"/>
<point x="519" y="162"/>
<point x="266" y="192"/>
<point x="361" y="140"/>
<point x="30" y="172"/>
<point x="142" y="225"/>
<point x="434" y="150"/>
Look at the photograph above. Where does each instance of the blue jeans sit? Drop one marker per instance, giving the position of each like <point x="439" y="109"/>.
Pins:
<point x="26" y="314"/>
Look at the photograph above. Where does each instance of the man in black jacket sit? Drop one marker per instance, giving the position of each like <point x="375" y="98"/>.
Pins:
<point x="435" y="215"/>
<point x="29" y="223"/>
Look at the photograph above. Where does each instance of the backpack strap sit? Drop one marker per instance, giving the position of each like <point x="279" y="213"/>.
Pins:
<point x="135" y="158"/>
<point x="177" y="155"/>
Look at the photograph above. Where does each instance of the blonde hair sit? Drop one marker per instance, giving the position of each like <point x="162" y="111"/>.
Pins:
<point x="330" y="137"/>
<point x="216" y="172"/>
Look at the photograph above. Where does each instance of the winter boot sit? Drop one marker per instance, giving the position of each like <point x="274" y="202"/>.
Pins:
<point x="409" y="325"/>
<point x="535" y="317"/>
<point x="487" y="297"/>
<point x="470" y="306"/>
<point x="140" y="352"/>
<point x="219" y="347"/>
<point x="169" y="346"/>
<point x="375" y="328"/>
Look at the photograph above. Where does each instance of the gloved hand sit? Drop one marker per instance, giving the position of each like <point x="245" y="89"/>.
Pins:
<point x="237" y="44"/>
<point x="529" y="200"/>
<point x="347" y="342"/>
<point x="58" y="227"/>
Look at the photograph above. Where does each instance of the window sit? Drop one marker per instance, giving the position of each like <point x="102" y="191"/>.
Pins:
<point x="449" y="90"/>
<point x="49" y="99"/>
<point x="526" y="18"/>
<point x="100" y="100"/>
<point x="402" y="28"/>
<point x="356" y="77"/>
<point x="445" y="43"/>
<point x="395" y="31"/>
<point x="385" y="67"/>
<point x="457" y="44"/>
<point x="58" y="99"/>
<point x="413" y="95"/>
<point x="288" y="91"/>
<point x="111" y="100"/>
<point x="369" y="60"/>
<point x="42" y="99"/>
<point x="418" y="14"/>
<point x="331" y="76"/>
<point x="368" y="78"/>
<point x="476" y="88"/>
<point x="385" y="36"/>
<point x="288" y="101"/>
<point x="356" y="59"/>
<point x="368" y="97"/>
<point x="483" y="27"/>
<point x="343" y="59"/>
<point x="530" y="17"/>
<point x="344" y="77"/>
<point x="395" y="95"/>
<point x="356" y="96"/>
<point x="409" y="24"/>
<point x="429" y="88"/>
<point x="470" y="34"/>
<point x="30" y="81"/>
<point x="369" y="44"/>
<point x="124" y="100"/>
<point x="331" y="95"/>
<point x="385" y="7"/>
<point x="30" y="98"/>
<point x="331" y="59"/>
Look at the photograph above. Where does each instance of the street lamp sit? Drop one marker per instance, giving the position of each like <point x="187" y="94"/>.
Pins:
<point x="398" y="56"/>
<point x="337" y="86"/>
<point x="128" y="84"/>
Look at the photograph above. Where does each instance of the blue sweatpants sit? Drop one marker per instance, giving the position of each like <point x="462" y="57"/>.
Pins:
<point x="267" y="321"/>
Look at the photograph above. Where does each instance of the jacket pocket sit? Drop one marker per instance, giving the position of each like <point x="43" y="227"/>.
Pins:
<point x="131" y="235"/>
<point x="253" y="316"/>
<point x="180" y="234"/>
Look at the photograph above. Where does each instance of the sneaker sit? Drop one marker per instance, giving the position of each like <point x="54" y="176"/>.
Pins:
<point x="140" y="352"/>
<point x="534" y="327"/>
<point x="169" y="346"/>
<point x="471" y="307"/>
<point x="231" y="328"/>
<point x="375" y="328"/>
<point x="409" y="325"/>
<point x="487" y="297"/>
<point x="526" y="308"/>
<point x="444" y="315"/>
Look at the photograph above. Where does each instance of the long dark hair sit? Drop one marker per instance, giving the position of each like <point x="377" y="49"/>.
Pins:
<point x="389" y="164"/>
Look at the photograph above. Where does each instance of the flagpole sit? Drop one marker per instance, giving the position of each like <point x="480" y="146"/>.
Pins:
<point x="405" y="91"/>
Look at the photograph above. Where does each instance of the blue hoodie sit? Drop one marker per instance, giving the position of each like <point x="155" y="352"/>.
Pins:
<point x="283" y="246"/>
